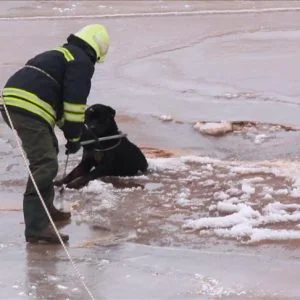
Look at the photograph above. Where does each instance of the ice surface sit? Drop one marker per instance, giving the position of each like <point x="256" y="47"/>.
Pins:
<point x="214" y="217"/>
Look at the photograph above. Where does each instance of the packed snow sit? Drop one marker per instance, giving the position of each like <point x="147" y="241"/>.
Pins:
<point x="248" y="202"/>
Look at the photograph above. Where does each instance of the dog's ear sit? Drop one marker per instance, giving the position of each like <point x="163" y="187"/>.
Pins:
<point x="99" y="109"/>
<point x="89" y="112"/>
<point x="111" y="111"/>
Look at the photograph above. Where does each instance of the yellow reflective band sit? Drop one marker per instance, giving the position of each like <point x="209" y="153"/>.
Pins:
<point x="29" y="107"/>
<point x="74" y="112"/>
<point x="74" y="108"/>
<point x="67" y="54"/>
<point x="75" y="139"/>
<point x="31" y="98"/>
<point x="73" y="117"/>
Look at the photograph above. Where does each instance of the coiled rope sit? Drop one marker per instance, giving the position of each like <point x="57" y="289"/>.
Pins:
<point x="80" y="277"/>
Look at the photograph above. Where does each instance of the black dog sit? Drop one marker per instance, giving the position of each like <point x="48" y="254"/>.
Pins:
<point x="115" y="157"/>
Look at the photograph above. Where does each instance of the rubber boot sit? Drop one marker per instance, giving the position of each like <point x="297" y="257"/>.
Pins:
<point x="47" y="235"/>
<point x="59" y="216"/>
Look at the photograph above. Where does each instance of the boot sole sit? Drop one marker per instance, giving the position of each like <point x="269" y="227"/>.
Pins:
<point x="35" y="240"/>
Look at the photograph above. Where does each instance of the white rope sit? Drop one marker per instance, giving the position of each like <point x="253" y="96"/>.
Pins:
<point x="80" y="277"/>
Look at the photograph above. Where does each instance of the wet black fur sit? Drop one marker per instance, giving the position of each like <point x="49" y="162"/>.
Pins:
<point x="124" y="159"/>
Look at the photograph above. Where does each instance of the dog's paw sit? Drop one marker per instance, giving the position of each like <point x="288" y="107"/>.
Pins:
<point x="77" y="183"/>
<point x="58" y="182"/>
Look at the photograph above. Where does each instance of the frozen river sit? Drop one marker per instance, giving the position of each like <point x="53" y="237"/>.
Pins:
<point x="216" y="217"/>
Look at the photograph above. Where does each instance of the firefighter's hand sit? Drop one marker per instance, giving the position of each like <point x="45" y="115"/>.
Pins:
<point x="72" y="147"/>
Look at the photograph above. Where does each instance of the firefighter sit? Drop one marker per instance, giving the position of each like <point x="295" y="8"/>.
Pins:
<point x="51" y="89"/>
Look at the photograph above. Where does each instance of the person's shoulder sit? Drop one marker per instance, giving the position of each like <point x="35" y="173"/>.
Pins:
<point x="78" y="53"/>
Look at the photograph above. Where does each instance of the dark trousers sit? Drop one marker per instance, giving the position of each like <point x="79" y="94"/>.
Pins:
<point x="41" y="148"/>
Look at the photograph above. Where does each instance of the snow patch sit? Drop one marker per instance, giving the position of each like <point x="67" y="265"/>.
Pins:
<point x="166" y="118"/>
<point x="62" y="287"/>
<point x="212" y="287"/>
<point x="215" y="129"/>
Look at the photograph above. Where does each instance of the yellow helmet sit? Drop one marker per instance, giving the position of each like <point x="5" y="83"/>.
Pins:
<point x="97" y="37"/>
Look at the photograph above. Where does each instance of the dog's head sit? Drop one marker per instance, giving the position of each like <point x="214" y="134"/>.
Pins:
<point x="100" y="120"/>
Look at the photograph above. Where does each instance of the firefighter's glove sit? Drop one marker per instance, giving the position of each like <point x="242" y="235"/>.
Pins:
<point x="72" y="147"/>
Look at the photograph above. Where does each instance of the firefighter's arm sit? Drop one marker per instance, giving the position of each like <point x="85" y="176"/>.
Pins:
<point x="76" y="88"/>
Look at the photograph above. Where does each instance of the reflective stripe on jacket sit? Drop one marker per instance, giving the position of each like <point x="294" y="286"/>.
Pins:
<point x="30" y="102"/>
<point x="54" y="86"/>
